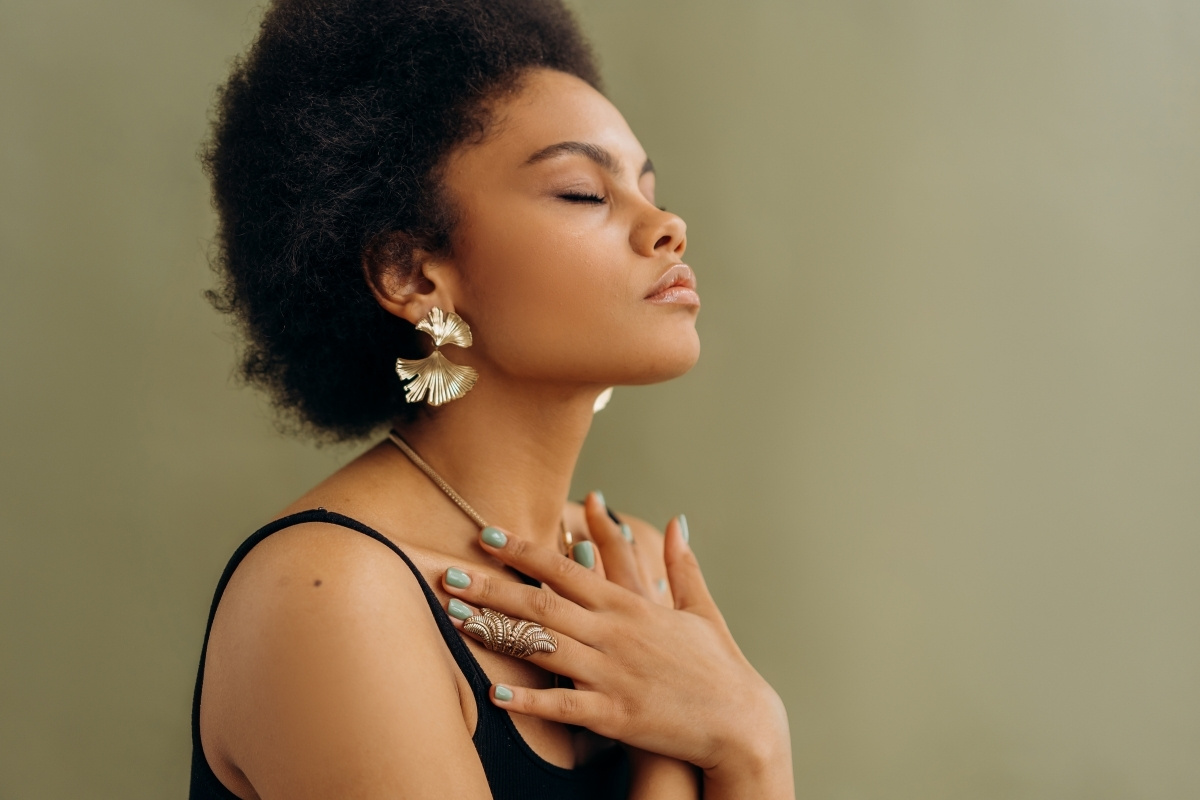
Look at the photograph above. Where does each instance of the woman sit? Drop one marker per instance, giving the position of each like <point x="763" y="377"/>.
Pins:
<point x="431" y="219"/>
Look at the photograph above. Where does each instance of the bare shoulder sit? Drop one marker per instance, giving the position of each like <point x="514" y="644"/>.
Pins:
<point x="313" y="575"/>
<point x="326" y="675"/>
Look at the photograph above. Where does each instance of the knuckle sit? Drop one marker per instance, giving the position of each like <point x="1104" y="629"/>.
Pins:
<point x="565" y="568"/>
<point x="543" y="603"/>
<point x="568" y="704"/>
<point x="486" y="589"/>
<point x="610" y="632"/>
<point x="517" y="548"/>
<point x="630" y="603"/>
<point x="613" y="721"/>
<point x="621" y="712"/>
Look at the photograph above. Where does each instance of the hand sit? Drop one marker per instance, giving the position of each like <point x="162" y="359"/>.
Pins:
<point x="667" y="680"/>
<point x="619" y="558"/>
<point x="638" y="568"/>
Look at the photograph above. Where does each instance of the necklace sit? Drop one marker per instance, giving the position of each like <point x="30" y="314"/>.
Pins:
<point x="458" y="500"/>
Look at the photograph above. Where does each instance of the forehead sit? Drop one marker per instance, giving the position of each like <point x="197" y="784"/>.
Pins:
<point x="548" y="108"/>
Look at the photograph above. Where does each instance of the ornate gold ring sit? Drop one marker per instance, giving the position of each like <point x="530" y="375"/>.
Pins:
<point x="502" y="634"/>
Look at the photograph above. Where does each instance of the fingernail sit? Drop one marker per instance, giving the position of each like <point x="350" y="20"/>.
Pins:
<point x="457" y="578"/>
<point x="662" y="586"/>
<point x="683" y="529"/>
<point x="503" y="693"/>
<point x="600" y="496"/>
<point x="584" y="555"/>
<point x="458" y="609"/>
<point x="627" y="531"/>
<point x="494" y="536"/>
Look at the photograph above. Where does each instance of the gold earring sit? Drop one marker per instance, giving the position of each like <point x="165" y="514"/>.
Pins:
<point x="435" y="375"/>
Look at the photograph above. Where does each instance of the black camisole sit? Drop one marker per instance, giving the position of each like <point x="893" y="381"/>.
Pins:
<point x="513" y="769"/>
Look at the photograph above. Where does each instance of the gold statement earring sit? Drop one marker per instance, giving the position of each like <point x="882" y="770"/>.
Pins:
<point x="436" y="375"/>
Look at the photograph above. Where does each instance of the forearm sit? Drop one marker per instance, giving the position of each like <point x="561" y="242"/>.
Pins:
<point x="657" y="777"/>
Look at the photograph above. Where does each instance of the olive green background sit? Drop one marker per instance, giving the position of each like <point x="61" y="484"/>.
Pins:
<point x="941" y="454"/>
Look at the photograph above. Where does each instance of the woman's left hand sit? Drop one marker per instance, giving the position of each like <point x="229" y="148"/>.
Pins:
<point x="667" y="680"/>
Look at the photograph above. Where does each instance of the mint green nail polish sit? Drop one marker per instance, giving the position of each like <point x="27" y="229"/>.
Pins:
<point x="600" y="496"/>
<point x="457" y="578"/>
<point x="458" y="609"/>
<point x="584" y="554"/>
<point x="683" y="528"/>
<point x="627" y="532"/>
<point x="494" y="536"/>
<point x="503" y="693"/>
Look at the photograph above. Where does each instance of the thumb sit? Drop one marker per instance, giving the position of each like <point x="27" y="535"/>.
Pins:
<point x="683" y="571"/>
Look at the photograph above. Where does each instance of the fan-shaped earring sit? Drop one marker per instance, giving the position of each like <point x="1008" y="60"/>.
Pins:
<point x="435" y="375"/>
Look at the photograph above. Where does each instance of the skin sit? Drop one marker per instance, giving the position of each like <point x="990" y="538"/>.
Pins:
<point x="326" y="674"/>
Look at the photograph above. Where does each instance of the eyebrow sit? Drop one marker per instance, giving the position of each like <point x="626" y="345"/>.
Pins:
<point x="594" y="152"/>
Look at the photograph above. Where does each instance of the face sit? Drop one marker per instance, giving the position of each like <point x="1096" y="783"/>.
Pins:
<point x="561" y="262"/>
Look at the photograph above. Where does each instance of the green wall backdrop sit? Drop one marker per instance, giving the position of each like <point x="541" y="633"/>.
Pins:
<point x="941" y="454"/>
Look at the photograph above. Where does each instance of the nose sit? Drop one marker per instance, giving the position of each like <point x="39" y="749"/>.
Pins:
<point x="660" y="232"/>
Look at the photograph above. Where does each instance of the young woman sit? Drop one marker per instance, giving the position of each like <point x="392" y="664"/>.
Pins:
<point x="432" y="220"/>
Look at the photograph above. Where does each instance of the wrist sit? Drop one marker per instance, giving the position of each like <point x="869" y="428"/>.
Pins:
<point x="763" y="772"/>
<point x="755" y="759"/>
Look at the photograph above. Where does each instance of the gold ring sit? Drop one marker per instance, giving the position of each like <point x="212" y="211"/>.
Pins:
<point x="502" y="634"/>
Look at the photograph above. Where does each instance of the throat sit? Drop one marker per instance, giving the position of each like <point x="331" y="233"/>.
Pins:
<point x="509" y="469"/>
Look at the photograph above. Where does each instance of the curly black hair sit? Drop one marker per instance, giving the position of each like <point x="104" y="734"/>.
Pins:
<point x="327" y="139"/>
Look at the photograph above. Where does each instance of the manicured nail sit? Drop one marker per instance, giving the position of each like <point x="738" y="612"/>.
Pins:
<point x="662" y="585"/>
<point x="600" y="496"/>
<point x="683" y="529"/>
<point x="494" y="536"/>
<point x="503" y="693"/>
<point x="458" y="609"/>
<point x="627" y="532"/>
<point x="457" y="578"/>
<point x="584" y="554"/>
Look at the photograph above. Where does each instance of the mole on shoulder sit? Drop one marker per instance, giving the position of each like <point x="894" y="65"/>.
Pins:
<point x="317" y="582"/>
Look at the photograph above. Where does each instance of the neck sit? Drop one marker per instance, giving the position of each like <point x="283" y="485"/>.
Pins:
<point x="509" y="450"/>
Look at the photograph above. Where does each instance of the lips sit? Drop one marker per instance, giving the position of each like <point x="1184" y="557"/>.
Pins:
<point x="679" y="276"/>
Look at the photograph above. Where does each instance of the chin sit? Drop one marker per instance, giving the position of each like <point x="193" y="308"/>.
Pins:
<point x="670" y="361"/>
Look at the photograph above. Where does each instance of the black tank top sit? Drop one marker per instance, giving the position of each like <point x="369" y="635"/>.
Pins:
<point x="513" y="769"/>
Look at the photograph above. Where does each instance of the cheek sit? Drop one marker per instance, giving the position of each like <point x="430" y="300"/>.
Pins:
<point x="548" y="298"/>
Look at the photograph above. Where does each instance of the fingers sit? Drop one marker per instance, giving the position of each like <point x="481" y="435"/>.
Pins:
<point x="586" y="554"/>
<point x="516" y="600"/>
<point x="620" y="561"/>
<point x="590" y="710"/>
<point x="683" y="571"/>
<point x="571" y="657"/>
<point x="568" y="578"/>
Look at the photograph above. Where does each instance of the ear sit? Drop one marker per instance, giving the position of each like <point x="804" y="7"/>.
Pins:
<point x="406" y="279"/>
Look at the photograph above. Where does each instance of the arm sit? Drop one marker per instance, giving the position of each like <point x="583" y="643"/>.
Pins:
<point x="658" y="777"/>
<point x="326" y="677"/>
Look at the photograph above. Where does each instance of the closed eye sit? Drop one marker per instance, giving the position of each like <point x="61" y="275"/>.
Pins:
<point x="578" y="197"/>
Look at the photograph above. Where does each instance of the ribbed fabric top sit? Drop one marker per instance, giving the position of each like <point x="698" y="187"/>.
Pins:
<point x="513" y="769"/>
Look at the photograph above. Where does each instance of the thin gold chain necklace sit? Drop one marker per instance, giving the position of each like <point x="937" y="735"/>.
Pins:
<point x="457" y="498"/>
